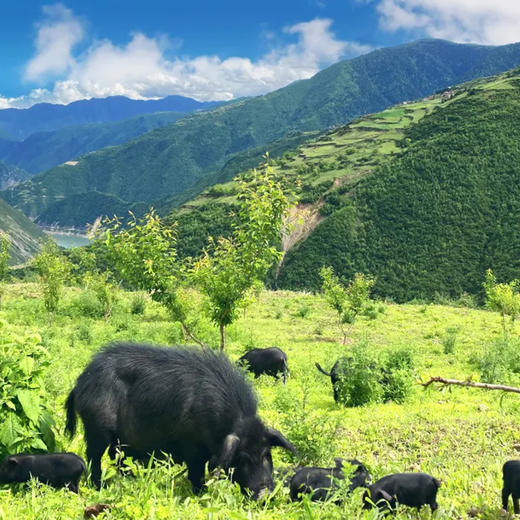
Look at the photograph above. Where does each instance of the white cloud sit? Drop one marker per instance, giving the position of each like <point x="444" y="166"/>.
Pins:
<point x="489" y="22"/>
<point x="140" y="69"/>
<point x="58" y="33"/>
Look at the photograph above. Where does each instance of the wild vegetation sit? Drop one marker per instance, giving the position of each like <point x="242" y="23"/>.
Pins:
<point x="461" y="436"/>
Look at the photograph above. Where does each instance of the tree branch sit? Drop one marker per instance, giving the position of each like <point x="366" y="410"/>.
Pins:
<point x="473" y="384"/>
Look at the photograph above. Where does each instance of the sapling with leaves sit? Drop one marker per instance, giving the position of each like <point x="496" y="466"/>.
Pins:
<point x="142" y="253"/>
<point x="53" y="269"/>
<point x="503" y="298"/>
<point x="231" y="269"/>
<point x="348" y="301"/>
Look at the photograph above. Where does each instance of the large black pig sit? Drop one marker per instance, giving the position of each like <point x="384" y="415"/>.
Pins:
<point x="187" y="402"/>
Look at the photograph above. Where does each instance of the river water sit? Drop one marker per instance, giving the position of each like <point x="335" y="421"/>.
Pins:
<point x="67" y="240"/>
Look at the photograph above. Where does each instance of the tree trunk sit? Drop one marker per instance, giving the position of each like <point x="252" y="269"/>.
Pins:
<point x="222" y="337"/>
<point x="186" y="332"/>
<point x="488" y="386"/>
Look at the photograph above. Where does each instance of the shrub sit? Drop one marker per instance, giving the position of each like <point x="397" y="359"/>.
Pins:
<point x="500" y="361"/>
<point x="138" y="304"/>
<point x="87" y="304"/>
<point x="53" y="269"/>
<point x="359" y="382"/>
<point x="449" y="339"/>
<point x="397" y="375"/>
<point x="25" y="423"/>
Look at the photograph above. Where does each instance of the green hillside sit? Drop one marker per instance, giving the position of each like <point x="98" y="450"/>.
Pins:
<point x="438" y="214"/>
<point x="11" y="175"/>
<point x="423" y="195"/>
<point x="44" y="150"/>
<point x="171" y="160"/>
<point x="24" y="235"/>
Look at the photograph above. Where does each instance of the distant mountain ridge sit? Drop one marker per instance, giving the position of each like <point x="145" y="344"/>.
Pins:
<point x="18" y="124"/>
<point x="172" y="160"/>
<point x="44" y="150"/>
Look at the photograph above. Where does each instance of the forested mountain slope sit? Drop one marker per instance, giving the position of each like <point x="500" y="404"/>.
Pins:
<point x="25" y="236"/>
<point x="44" y="150"/>
<point x="423" y="195"/>
<point x="436" y="216"/>
<point x="11" y="175"/>
<point x="174" y="159"/>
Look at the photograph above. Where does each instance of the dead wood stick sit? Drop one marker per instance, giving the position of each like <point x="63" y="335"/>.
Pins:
<point x="488" y="386"/>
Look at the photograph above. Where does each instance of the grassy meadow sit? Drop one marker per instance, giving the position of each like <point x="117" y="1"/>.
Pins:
<point x="461" y="436"/>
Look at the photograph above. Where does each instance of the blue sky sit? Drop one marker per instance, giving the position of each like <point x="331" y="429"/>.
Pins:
<point x="208" y="49"/>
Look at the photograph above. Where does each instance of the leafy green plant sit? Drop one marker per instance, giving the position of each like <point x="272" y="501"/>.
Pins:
<point x="449" y="339"/>
<point x="53" y="269"/>
<point x="143" y="254"/>
<point x="25" y="421"/>
<point x="349" y="301"/>
<point x="231" y="269"/>
<point x="138" y="304"/>
<point x="503" y="298"/>
<point x="397" y="375"/>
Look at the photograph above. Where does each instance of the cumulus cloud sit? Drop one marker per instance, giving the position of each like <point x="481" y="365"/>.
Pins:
<point x="494" y="22"/>
<point x="140" y="70"/>
<point x="58" y="33"/>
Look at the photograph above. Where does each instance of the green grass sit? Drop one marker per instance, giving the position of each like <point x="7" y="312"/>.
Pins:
<point x="461" y="436"/>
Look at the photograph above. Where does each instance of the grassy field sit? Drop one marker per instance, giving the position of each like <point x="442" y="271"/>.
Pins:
<point x="461" y="436"/>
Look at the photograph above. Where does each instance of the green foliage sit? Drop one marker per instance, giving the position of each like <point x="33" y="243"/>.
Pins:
<point x="233" y="267"/>
<point x="449" y="339"/>
<point x="503" y="298"/>
<point x="25" y="421"/>
<point x="367" y="377"/>
<point x="359" y="377"/>
<point x="53" y="269"/>
<point x="143" y="255"/>
<point x="349" y="301"/>
<point x="500" y="361"/>
<point x="138" y="304"/>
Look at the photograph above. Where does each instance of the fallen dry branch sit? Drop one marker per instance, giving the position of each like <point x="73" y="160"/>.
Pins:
<point x="473" y="384"/>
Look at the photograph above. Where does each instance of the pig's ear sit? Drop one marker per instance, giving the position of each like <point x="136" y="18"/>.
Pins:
<point x="229" y="448"/>
<point x="12" y="462"/>
<point x="277" y="439"/>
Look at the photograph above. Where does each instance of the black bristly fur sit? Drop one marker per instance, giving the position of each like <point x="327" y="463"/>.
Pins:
<point x="179" y="400"/>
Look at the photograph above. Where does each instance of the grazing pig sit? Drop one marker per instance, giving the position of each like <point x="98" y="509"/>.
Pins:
<point x="336" y="374"/>
<point x="187" y="402"/>
<point x="322" y="482"/>
<point x="271" y="361"/>
<point x="511" y="476"/>
<point x="409" y="489"/>
<point x="56" y="469"/>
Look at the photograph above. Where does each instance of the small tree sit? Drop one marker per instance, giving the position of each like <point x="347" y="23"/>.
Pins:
<point x="53" y="269"/>
<point x="349" y="301"/>
<point x="503" y="298"/>
<point x="143" y="254"/>
<point x="231" y="268"/>
<point x="5" y="246"/>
